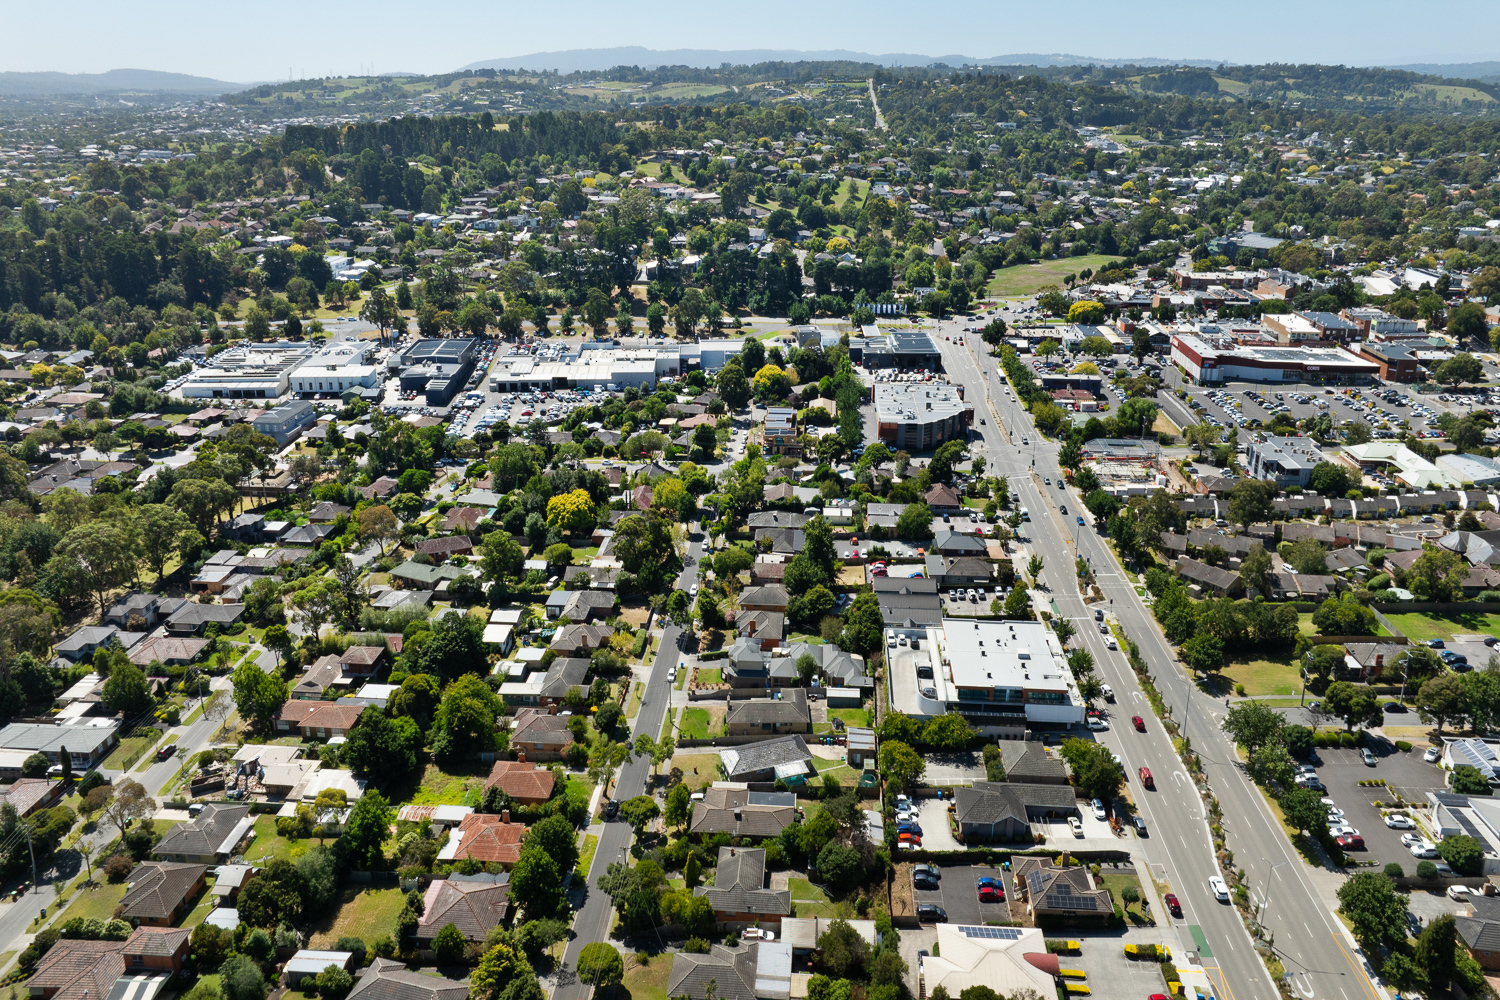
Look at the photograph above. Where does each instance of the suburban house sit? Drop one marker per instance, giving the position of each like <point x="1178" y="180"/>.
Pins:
<point x="767" y="628"/>
<point x="724" y="973"/>
<point x="475" y="904"/>
<point x="487" y="838"/>
<point x="580" y="605"/>
<point x="786" y="713"/>
<point x="536" y="734"/>
<point x="27" y="795"/>
<point x="1000" y="811"/>
<point x="318" y="720"/>
<point x="1209" y="579"/>
<point x="1480" y="933"/>
<point x="769" y="597"/>
<point x="161" y="893"/>
<point x="784" y="757"/>
<point x="362" y="661"/>
<point x="388" y="979"/>
<point x="908" y="602"/>
<point x="83" y="969"/>
<point x="944" y="499"/>
<point x="580" y="640"/>
<point x="1011" y="961"/>
<point x="1066" y="894"/>
<point x="960" y="571"/>
<point x="525" y="784"/>
<point x="210" y="839"/>
<point x="740" y="896"/>
<point x="1027" y="762"/>
<point x="324" y="671"/>
<point x="740" y="812"/>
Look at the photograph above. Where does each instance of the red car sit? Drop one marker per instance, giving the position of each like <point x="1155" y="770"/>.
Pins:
<point x="1140" y="723"/>
<point x="1351" y="842"/>
<point x="910" y="838"/>
<point x="989" y="894"/>
<point x="1172" y="904"/>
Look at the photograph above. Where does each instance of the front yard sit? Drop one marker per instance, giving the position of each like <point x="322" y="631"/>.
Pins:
<point x="645" y="977"/>
<point x="1274" y="675"/>
<point x="98" y="902"/>
<point x="1421" y="627"/>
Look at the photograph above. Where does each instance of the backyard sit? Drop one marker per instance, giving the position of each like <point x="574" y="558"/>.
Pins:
<point x="367" y="914"/>
<point x="645" y="977"/>
<point x="1024" y="279"/>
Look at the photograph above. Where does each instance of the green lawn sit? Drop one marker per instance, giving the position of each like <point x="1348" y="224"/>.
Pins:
<point x="440" y="788"/>
<point x="1024" y="279"/>
<point x="128" y="752"/>
<point x="851" y="716"/>
<point x="710" y="675"/>
<point x="810" y="901"/>
<point x="1421" y="627"/>
<point x="645" y="982"/>
<point x="635" y="699"/>
<point x="682" y="676"/>
<point x="270" y="845"/>
<point x="695" y="723"/>
<point x="204" y="907"/>
<point x="1116" y="884"/>
<point x="1269" y="676"/>
<point x="706" y="766"/>
<point x="586" y="856"/>
<point x="579" y="789"/>
<point x="366" y="914"/>
<point x="99" y="902"/>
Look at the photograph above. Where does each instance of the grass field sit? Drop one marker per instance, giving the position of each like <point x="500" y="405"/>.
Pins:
<point x="645" y="982"/>
<point x="1266" y="676"/>
<point x="695" y="723"/>
<point x="270" y="845"/>
<point x="366" y="914"/>
<point x="810" y="901"/>
<point x="851" y="716"/>
<point x="99" y="902"/>
<point x="1421" y="627"/>
<point x="1024" y="279"/>
<point x="586" y="856"/>
<point x="1117" y="884"/>
<point x="635" y="700"/>
<point x="579" y="789"/>
<point x="439" y="788"/>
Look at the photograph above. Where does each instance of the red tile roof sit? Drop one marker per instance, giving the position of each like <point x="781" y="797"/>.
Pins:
<point x="525" y="783"/>
<point x="486" y="837"/>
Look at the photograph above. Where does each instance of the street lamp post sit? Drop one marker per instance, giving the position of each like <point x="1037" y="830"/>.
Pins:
<point x="1265" y="897"/>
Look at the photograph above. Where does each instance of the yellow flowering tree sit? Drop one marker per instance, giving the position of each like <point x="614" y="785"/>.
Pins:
<point x="571" y="512"/>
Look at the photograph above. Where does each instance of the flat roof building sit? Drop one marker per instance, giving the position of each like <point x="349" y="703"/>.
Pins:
<point x="341" y="366"/>
<point x="1210" y="361"/>
<point x="915" y="416"/>
<point x="438" y="367"/>
<point x="1288" y="460"/>
<point x="285" y="421"/>
<point x="252" y="371"/>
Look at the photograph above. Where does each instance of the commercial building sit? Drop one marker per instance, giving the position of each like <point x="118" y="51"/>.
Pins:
<point x="1288" y="460"/>
<point x="342" y="366"/>
<point x="1006" y="960"/>
<point x="440" y="368"/>
<point x="781" y="431"/>
<point x="1476" y="816"/>
<point x="1211" y="360"/>
<point x="285" y="421"/>
<point x="902" y="349"/>
<point x="1401" y="464"/>
<point x="1397" y="360"/>
<point x="601" y="365"/>
<point x="251" y="371"/>
<point x="915" y="416"/>
<point x="1297" y="327"/>
<point x="1004" y="677"/>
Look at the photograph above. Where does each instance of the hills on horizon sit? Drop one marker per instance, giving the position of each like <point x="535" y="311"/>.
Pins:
<point x="598" y="60"/>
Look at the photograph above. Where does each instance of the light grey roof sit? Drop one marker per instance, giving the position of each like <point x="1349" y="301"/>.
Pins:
<point x="990" y="802"/>
<point x="791" y="707"/>
<point x="732" y="971"/>
<point x="766" y="754"/>
<point x="388" y="979"/>
<point x="206" y="834"/>
<point x="742" y="813"/>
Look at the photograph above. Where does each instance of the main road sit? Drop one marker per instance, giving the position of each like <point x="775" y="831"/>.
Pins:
<point x="1309" y="940"/>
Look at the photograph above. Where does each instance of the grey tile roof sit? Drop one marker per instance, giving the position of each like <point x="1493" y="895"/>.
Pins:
<point x="157" y="888"/>
<point x="1027" y="761"/>
<point x="732" y="971"/>
<point x="565" y="673"/>
<point x="739" y="885"/>
<point x="791" y="707"/>
<point x="204" y="835"/>
<point x="737" y="812"/>
<point x="388" y="979"/>
<point x="990" y="802"/>
<point x="475" y="908"/>
<point x="752" y="757"/>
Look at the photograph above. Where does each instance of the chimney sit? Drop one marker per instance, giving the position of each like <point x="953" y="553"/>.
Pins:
<point x="505" y="815"/>
<point x="521" y="756"/>
<point x="1064" y="863"/>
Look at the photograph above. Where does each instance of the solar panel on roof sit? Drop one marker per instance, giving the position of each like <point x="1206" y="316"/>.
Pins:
<point x="1070" y="902"/>
<point x="995" y="933"/>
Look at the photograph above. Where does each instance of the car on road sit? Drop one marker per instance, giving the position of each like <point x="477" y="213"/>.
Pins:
<point x="166" y="751"/>
<point x="1080" y="520"/>
<point x="1433" y="755"/>
<point x="1173" y="905"/>
<point x="1104" y="628"/>
<point x="1140" y="825"/>
<point x="1097" y="724"/>
<point x="1145" y="775"/>
<point x="1217" y="886"/>
<point x="1399" y="821"/>
<point x="932" y="913"/>
<point x="1109" y="693"/>
<point x="1139" y="723"/>
<point x="1098" y="807"/>
<point x="991" y="894"/>
<point x="1110" y="643"/>
<point x="1075" y="826"/>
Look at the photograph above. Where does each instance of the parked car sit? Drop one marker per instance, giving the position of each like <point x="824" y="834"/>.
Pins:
<point x="930" y="871"/>
<point x="932" y="913"/>
<point x="1075" y="826"/>
<point x="1098" y="807"/>
<point x="925" y="884"/>
<point x="991" y="894"/>
<point x="1173" y="906"/>
<point x="1458" y="892"/>
<point x="1432" y="755"/>
<point x="1350" y="841"/>
<point x="1399" y="821"/>
<point x="1368" y="756"/>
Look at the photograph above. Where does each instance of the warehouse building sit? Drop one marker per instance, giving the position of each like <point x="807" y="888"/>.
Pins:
<point x="602" y="365"/>
<point x="915" y="416"/>
<point x="339" y="367"/>
<point x="1212" y="360"/>
<point x="440" y="368"/>
<point x="902" y="349"/>
<point x="252" y="371"/>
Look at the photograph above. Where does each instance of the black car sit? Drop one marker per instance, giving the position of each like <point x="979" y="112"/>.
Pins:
<point x="612" y="810"/>
<point x="1394" y="707"/>
<point x="927" y="884"/>
<point x="932" y="912"/>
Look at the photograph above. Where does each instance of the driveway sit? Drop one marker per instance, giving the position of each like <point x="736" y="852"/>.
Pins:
<point x="937" y="833"/>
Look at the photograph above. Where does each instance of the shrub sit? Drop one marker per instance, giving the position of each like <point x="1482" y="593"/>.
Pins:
<point x="1403" y="746"/>
<point x="118" y="867"/>
<point x="696" y="946"/>
<point x="1394" y="870"/>
<point x="1426" y="869"/>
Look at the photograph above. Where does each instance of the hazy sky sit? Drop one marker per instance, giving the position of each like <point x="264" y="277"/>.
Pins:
<point x="268" y="40"/>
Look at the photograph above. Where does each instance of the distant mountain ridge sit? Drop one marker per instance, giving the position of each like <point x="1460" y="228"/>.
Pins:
<point x="111" y="82"/>
<point x="1488" y="71"/>
<point x="598" y="60"/>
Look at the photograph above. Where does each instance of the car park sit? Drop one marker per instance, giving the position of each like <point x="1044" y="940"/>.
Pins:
<point x="991" y="894"/>
<point x="931" y="871"/>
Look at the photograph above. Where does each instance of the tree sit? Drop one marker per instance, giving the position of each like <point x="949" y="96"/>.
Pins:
<point x="1466" y="779"/>
<point x="1374" y="908"/>
<point x="1437" y="951"/>
<point x="1354" y="704"/>
<point x="536" y="884"/>
<point x="1094" y="769"/>
<point x="130" y="802"/>
<point x="600" y="964"/>
<point x="378" y="524"/>
<point x="1437" y="575"/>
<point x="571" y="512"/>
<point x="1441" y="699"/>
<point x="1463" y="853"/>
<point x="844" y="950"/>
<point x="126" y="691"/>
<point x="382" y="746"/>
<point x="948" y="733"/>
<point x="639" y="811"/>
<point x="105" y="549"/>
<point x="1459" y="369"/>
<point x="240" y="978"/>
<point x="915" y="523"/>
<point x="1251" y="500"/>
<point x="840" y="866"/>
<point x="448" y="946"/>
<point x="257" y="695"/>
<point x="555" y="837"/>
<point x="380" y="310"/>
<point x="365" y="831"/>
<point x="1255" y="569"/>
<point x="1468" y="322"/>
<point x="1086" y="312"/>
<point x="160" y="527"/>
<point x="1252" y="725"/>
<point x="679" y="804"/>
<point x="1307" y="556"/>
<point x="1203" y="652"/>
<point x="900" y="764"/>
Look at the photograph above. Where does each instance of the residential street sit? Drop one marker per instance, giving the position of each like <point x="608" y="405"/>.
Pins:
<point x="1313" y="946"/>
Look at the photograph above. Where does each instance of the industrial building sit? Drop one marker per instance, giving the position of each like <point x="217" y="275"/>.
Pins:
<point x="251" y="371"/>
<point x="285" y="421"/>
<point x="1212" y="360"/>
<point x="337" y="368"/>
<point x="438" y="367"/>
<point x="902" y="349"/>
<point x="915" y="416"/>
<point x="602" y="365"/>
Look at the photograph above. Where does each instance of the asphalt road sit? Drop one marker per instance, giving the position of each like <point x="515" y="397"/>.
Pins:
<point x="1312" y="945"/>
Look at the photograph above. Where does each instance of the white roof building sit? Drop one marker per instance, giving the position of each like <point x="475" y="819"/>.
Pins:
<point x="1006" y="959"/>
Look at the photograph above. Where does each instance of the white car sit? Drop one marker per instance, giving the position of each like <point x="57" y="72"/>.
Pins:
<point x="1110" y="642"/>
<point x="1342" y="830"/>
<point x="1075" y="826"/>
<point x="1459" y="892"/>
<point x="1097" y="724"/>
<point x="1408" y="839"/>
<point x="1433" y="755"/>
<point x="1098" y="808"/>
<point x="1424" y="850"/>
<point x="1220" y="890"/>
<point x="1399" y="821"/>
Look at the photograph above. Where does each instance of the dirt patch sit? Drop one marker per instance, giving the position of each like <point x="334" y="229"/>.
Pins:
<point x="635" y="614"/>
<point x="901" y="901"/>
<point x="1164" y="425"/>
<point x="851" y="576"/>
